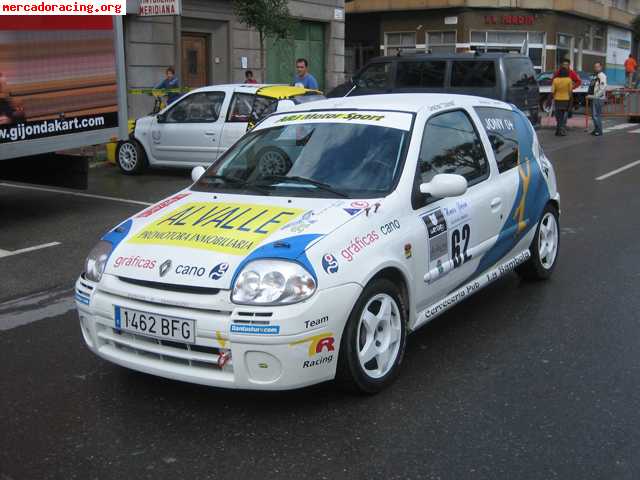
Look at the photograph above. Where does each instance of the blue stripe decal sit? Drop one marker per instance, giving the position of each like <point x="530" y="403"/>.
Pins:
<point x="291" y="248"/>
<point x="115" y="236"/>
<point x="82" y="299"/>
<point x="531" y="198"/>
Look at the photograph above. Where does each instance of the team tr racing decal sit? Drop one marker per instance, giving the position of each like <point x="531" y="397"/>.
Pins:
<point x="234" y="228"/>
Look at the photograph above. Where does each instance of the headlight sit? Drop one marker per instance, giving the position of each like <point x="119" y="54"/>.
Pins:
<point x="97" y="261"/>
<point x="273" y="282"/>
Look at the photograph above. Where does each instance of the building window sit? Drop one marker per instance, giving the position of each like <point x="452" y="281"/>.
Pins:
<point x="564" y="48"/>
<point x="507" y="41"/>
<point x="441" y="42"/>
<point x="397" y="41"/>
<point x="597" y="39"/>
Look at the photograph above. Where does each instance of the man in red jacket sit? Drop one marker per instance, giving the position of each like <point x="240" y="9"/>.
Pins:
<point x="575" y="78"/>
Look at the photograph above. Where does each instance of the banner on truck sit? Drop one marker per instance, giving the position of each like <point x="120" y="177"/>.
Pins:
<point x="57" y="76"/>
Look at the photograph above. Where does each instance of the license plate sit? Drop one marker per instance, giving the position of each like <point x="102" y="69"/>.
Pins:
<point x="155" y="325"/>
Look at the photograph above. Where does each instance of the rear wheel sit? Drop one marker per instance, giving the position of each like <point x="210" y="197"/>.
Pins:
<point x="131" y="157"/>
<point x="374" y="339"/>
<point x="544" y="247"/>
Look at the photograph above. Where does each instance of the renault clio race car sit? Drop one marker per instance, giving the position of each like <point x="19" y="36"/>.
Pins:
<point x="370" y="217"/>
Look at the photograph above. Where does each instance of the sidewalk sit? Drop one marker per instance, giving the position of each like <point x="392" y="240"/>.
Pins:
<point x="576" y="121"/>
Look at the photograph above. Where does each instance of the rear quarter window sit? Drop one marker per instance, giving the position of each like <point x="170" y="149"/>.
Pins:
<point x="471" y="73"/>
<point x="375" y="76"/>
<point x="520" y="72"/>
<point x="428" y="74"/>
<point x="501" y="130"/>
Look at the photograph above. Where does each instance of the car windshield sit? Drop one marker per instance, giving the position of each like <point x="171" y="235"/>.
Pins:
<point x="321" y="159"/>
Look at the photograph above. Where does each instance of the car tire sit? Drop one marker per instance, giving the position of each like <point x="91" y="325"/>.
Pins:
<point x="272" y="161"/>
<point x="131" y="157"/>
<point x="544" y="247"/>
<point x="369" y="331"/>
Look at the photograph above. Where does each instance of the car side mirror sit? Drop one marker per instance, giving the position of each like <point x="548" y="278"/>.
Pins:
<point x="196" y="173"/>
<point x="445" y="185"/>
<point x="161" y="118"/>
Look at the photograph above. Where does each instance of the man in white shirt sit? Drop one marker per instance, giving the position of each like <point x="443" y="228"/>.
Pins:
<point x="599" y="84"/>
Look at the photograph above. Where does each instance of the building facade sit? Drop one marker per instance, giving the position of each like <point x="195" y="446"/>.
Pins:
<point x="206" y="44"/>
<point x="584" y="31"/>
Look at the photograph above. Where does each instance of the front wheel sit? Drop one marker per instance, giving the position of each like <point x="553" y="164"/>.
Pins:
<point x="374" y="339"/>
<point x="544" y="247"/>
<point x="131" y="157"/>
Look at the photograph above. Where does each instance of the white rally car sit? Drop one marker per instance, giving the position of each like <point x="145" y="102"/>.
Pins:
<point x="203" y="124"/>
<point x="371" y="216"/>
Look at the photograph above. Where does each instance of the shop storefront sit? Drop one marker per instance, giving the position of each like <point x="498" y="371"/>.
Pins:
<point x="547" y="37"/>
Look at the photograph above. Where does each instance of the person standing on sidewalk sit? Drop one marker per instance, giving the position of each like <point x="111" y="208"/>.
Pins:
<point x="630" y="67"/>
<point x="597" y="95"/>
<point x="170" y="82"/>
<point x="561" y="89"/>
<point x="575" y="79"/>
<point x="303" y="78"/>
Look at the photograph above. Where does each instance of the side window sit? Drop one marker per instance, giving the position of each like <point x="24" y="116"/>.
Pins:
<point x="450" y="144"/>
<point x="376" y="75"/>
<point x="520" y="72"/>
<point x="240" y="107"/>
<point x="420" y="74"/>
<point x="500" y="127"/>
<point x="471" y="73"/>
<point x="262" y="106"/>
<point x="203" y="107"/>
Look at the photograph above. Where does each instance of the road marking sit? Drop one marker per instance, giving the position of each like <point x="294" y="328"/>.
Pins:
<point x="620" y="126"/>
<point x="7" y="253"/>
<point x="76" y="194"/>
<point x="32" y="308"/>
<point x="618" y="170"/>
<point x="635" y="131"/>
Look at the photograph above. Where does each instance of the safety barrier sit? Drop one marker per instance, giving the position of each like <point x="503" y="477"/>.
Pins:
<point x="620" y="102"/>
<point x="158" y="94"/>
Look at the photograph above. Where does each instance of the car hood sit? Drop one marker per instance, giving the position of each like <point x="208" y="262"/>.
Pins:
<point x="204" y="239"/>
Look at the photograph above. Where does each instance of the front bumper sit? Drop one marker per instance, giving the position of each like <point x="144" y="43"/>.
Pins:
<point x="304" y="352"/>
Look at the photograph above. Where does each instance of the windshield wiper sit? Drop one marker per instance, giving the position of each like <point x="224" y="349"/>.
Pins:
<point x="233" y="181"/>
<point x="309" y="181"/>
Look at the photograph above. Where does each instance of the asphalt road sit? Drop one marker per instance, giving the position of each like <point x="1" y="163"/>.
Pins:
<point x="522" y="381"/>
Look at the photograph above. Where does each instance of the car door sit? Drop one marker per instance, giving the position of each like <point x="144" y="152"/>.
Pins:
<point x="514" y="181"/>
<point x="235" y="125"/>
<point x="458" y="230"/>
<point x="522" y="86"/>
<point x="189" y="131"/>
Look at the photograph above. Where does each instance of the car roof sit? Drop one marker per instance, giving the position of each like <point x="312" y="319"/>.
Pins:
<point x="285" y="91"/>
<point x="448" y="56"/>
<point x="401" y="102"/>
<point x="235" y="87"/>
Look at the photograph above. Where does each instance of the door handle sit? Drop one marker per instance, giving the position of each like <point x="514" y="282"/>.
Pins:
<point x="210" y="133"/>
<point x="495" y="204"/>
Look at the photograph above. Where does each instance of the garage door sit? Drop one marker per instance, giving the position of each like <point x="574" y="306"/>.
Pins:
<point x="308" y="43"/>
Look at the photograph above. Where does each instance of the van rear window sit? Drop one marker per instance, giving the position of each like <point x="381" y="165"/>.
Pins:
<point x="420" y="74"/>
<point x="473" y="74"/>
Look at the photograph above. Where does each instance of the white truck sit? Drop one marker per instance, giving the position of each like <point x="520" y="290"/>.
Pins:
<point x="62" y="87"/>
